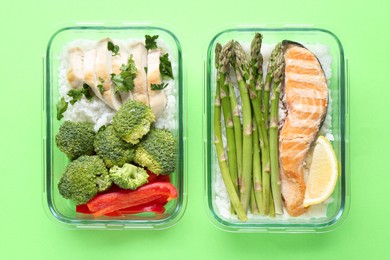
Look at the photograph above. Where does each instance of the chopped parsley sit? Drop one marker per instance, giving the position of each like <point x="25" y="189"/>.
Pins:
<point x="113" y="48"/>
<point x="62" y="106"/>
<point x="101" y="89"/>
<point x="150" y="42"/>
<point x="77" y="94"/>
<point x="100" y="86"/>
<point x="165" y="67"/>
<point x="158" y="86"/>
<point x="124" y="81"/>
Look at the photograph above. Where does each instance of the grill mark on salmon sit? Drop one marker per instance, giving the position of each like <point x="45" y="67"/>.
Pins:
<point x="306" y="98"/>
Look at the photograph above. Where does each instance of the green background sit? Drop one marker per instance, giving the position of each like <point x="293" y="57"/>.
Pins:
<point x="27" y="233"/>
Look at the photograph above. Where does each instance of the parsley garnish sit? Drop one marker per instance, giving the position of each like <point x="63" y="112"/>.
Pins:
<point x="124" y="81"/>
<point x="113" y="48"/>
<point x="62" y="106"/>
<point x="158" y="86"/>
<point x="76" y="94"/>
<point x="101" y="89"/>
<point x="166" y="67"/>
<point x="150" y="42"/>
<point x="100" y="86"/>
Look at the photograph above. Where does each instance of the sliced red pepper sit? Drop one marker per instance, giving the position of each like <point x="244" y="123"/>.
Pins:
<point x="152" y="177"/>
<point x="158" y="178"/>
<point x="83" y="208"/>
<point x="114" y="201"/>
<point x="157" y="208"/>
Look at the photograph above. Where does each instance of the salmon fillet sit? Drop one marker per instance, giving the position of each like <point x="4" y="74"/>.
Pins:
<point x="306" y="100"/>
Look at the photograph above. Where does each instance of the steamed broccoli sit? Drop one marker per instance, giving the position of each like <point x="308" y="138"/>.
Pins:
<point x="129" y="176"/>
<point x="132" y="121"/>
<point x="111" y="148"/>
<point x="157" y="152"/>
<point x="83" y="178"/>
<point x="75" y="139"/>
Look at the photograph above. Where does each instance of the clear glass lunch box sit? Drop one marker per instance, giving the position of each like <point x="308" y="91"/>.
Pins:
<point x="337" y="209"/>
<point x="62" y="210"/>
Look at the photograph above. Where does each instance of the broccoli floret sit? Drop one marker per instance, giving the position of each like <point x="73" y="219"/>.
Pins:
<point x="157" y="152"/>
<point x="111" y="148"/>
<point x="132" y="121"/>
<point x="83" y="178"/>
<point x="129" y="176"/>
<point x="75" y="139"/>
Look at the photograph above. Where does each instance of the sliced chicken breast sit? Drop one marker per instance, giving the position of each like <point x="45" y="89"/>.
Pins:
<point x="120" y="59"/>
<point x="75" y="75"/>
<point x="89" y="72"/>
<point x="140" y="57"/>
<point x="103" y="69"/>
<point x="157" y="98"/>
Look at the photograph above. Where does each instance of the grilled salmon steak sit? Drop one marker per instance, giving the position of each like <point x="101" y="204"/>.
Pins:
<point x="306" y="100"/>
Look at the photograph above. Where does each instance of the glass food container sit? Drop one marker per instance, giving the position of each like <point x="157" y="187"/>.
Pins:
<point x="63" y="210"/>
<point x="337" y="209"/>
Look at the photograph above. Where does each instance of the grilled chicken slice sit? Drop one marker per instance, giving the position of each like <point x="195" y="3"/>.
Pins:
<point x="157" y="98"/>
<point x="117" y="62"/>
<point x="140" y="57"/>
<point x="103" y="69"/>
<point x="74" y="74"/>
<point x="306" y="97"/>
<point x="89" y="72"/>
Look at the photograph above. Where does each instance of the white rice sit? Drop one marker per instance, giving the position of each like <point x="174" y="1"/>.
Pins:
<point x="96" y="111"/>
<point x="222" y="200"/>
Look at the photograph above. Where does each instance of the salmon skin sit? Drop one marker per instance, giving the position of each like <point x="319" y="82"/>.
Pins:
<point x="306" y="101"/>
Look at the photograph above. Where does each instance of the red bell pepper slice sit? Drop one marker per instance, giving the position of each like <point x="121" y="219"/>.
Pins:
<point x="158" y="178"/>
<point x="152" y="177"/>
<point x="156" y="206"/>
<point x="83" y="208"/>
<point x="106" y="203"/>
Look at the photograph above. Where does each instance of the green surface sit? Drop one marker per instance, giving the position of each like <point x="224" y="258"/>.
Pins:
<point x="27" y="233"/>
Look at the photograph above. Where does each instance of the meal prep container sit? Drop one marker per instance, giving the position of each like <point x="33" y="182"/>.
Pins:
<point x="62" y="210"/>
<point x="337" y="210"/>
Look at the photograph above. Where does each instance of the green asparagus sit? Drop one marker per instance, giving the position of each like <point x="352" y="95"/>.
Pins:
<point x="260" y="122"/>
<point x="237" y="127"/>
<point x="241" y="213"/>
<point x="223" y="65"/>
<point x="257" y="185"/>
<point x="256" y="64"/>
<point x="253" y="203"/>
<point x="241" y="69"/>
<point x="278" y="75"/>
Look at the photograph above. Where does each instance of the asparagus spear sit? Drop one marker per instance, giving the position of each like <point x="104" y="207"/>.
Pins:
<point x="268" y="82"/>
<point x="271" y="207"/>
<point x="241" y="69"/>
<point x="260" y="121"/>
<point x="237" y="127"/>
<point x="224" y="57"/>
<point x="257" y="185"/>
<point x="256" y="64"/>
<point x="278" y="75"/>
<point x="253" y="203"/>
<point x="220" y="151"/>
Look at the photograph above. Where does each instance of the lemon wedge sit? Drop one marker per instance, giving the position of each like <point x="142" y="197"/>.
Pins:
<point x="323" y="173"/>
